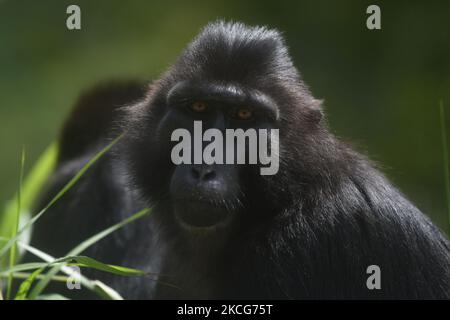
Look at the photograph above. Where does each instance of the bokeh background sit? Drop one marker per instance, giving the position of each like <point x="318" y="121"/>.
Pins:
<point x="381" y="88"/>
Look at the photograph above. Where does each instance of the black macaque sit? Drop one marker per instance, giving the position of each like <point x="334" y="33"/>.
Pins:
<point x="310" y="231"/>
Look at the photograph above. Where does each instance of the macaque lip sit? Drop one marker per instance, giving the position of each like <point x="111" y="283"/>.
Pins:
<point x="199" y="214"/>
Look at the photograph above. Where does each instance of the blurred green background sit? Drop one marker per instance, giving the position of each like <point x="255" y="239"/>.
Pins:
<point x="381" y="88"/>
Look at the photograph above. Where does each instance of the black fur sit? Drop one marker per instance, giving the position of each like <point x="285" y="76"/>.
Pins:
<point x="308" y="232"/>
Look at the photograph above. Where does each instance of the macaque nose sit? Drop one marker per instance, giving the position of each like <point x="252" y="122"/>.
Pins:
<point x="203" y="173"/>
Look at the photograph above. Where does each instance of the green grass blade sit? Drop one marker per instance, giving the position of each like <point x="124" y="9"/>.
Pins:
<point x="82" y="171"/>
<point x="12" y="252"/>
<point x="26" y="275"/>
<point x="25" y="286"/>
<point x="44" y="256"/>
<point x="80" y="261"/>
<point x="88" y="262"/>
<point x="105" y="291"/>
<point x="23" y="267"/>
<point x="95" y="238"/>
<point x="40" y="286"/>
<point x="96" y="286"/>
<point x="445" y="158"/>
<point x="31" y="187"/>
<point x="66" y="188"/>
<point x="38" y="253"/>
<point x="52" y="297"/>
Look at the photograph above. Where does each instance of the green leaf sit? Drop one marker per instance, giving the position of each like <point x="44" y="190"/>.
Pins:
<point x="96" y="286"/>
<point x="23" y="267"/>
<point x="30" y="190"/>
<point x="25" y="286"/>
<point x="66" y="188"/>
<point x="15" y="226"/>
<point x="53" y="296"/>
<point x="40" y="286"/>
<point x="25" y="275"/>
<point x="38" y="253"/>
<point x="97" y="237"/>
<point x="84" y="261"/>
<point x="105" y="291"/>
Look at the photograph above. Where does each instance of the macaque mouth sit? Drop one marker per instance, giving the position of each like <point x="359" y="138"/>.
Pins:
<point x="200" y="214"/>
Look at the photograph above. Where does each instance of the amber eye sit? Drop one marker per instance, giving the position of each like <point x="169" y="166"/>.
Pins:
<point x="244" y="114"/>
<point x="198" y="106"/>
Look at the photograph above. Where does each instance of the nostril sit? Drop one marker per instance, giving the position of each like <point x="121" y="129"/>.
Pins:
<point x="195" y="173"/>
<point x="203" y="173"/>
<point x="208" y="175"/>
